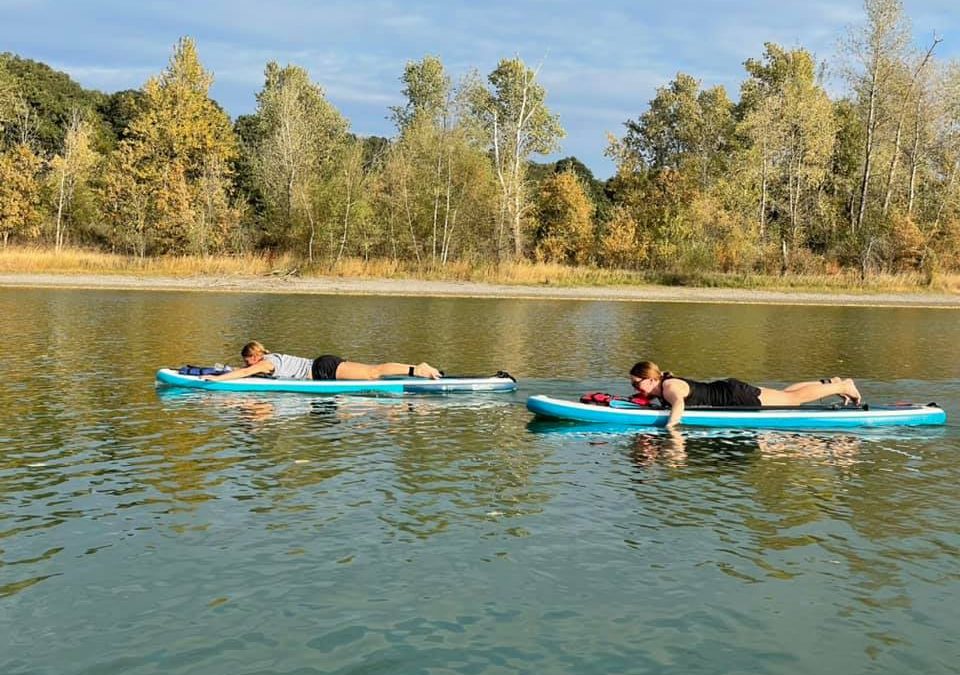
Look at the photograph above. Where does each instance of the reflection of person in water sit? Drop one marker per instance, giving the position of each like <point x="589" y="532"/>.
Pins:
<point x="259" y="409"/>
<point x="323" y="410"/>
<point x="841" y="450"/>
<point x="668" y="449"/>
<point x="674" y="449"/>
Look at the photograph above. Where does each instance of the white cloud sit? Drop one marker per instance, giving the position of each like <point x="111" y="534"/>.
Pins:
<point x="106" y="78"/>
<point x="602" y="62"/>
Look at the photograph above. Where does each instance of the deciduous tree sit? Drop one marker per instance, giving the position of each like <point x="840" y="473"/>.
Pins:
<point x="565" y="221"/>
<point x="789" y="127"/>
<point x="874" y="50"/>
<point x="516" y="122"/>
<point x="178" y="152"/>
<point x="71" y="170"/>
<point x="685" y="129"/>
<point x="300" y="139"/>
<point x="20" y="193"/>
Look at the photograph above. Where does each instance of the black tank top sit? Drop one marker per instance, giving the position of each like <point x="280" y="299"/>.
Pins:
<point x="719" y="394"/>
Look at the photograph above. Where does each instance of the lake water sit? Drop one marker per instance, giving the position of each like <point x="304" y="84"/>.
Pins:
<point x="144" y="531"/>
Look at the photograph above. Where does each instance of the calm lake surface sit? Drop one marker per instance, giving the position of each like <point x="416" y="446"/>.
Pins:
<point x="149" y="531"/>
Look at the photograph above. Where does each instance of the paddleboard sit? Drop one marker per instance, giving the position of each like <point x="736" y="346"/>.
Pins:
<point x="501" y="382"/>
<point x="796" y="417"/>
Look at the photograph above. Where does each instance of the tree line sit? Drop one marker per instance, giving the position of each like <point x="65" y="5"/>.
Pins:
<point x="785" y="179"/>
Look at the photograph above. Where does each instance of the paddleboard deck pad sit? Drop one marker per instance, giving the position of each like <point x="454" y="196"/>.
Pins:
<point x="779" y="417"/>
<point x="501" y="382"/>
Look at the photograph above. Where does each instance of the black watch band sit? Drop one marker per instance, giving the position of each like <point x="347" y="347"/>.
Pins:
<point x="410" y="371"/>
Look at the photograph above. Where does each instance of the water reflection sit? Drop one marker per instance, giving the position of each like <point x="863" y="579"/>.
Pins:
<point x="677" y="447"/>
<point x="404" y="450"/>
<point x="264" y="408"/>
<point x="251" y="411"/>
<point x="439" y="531"/>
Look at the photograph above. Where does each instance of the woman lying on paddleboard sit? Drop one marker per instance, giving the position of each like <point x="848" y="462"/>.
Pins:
<point x="679" y="392"/>
<point x="259" y="361"/>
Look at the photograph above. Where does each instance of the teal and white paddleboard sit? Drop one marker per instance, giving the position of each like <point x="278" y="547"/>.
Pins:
<point x="501" y="382"/>
<point x="795" y="417"/>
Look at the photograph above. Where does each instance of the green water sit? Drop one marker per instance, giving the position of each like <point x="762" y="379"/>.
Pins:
<point x="144" y="531"/>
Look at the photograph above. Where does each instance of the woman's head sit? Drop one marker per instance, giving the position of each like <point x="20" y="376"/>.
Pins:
<point x="645" y="377"/>
<point x="253" y="352"/>
<point x="645" y="369"/>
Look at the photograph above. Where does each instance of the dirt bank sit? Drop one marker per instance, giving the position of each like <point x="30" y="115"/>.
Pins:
<point x="414" y="287"/>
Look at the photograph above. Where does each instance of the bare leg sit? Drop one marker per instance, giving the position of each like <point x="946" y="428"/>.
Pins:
<point x="805" y="392"/>
<point x="351" y="370"/>
<point x="800" y="385"/>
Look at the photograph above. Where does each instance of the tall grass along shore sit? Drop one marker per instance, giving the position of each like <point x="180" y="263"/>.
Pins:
<point x="38" y="260"/>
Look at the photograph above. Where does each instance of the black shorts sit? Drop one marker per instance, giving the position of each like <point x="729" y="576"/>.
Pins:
<point x="325" y="367"/>
<point x="742" y="394"/>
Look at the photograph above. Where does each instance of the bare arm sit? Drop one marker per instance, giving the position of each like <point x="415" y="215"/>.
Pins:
<point x="674" y="392"/>
<point x="263" y="366"/>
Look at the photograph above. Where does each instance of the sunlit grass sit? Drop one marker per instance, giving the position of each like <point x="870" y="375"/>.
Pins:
<point x="29" y="260"/>
<point x="37" y="260"/>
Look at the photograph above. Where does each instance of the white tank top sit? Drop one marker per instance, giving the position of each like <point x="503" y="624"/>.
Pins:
<point x="286" y="367"/>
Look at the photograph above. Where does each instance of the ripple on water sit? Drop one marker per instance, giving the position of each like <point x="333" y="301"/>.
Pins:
<point x="232" y="533"/>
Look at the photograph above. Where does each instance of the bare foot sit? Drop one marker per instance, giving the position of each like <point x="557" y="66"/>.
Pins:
<point x="852" y="394"/>
<point x="844" y="398"/>
<point x="426" y="370"/>
<point x="837" y="380"/>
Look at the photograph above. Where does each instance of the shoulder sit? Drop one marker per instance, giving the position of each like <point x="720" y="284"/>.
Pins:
<point x="267" y="364"/>
<point x="675" y="385"/>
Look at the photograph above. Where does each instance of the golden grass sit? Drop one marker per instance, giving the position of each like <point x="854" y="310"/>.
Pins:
<point x="79" y="261"/>
<point x="35" y="260"/>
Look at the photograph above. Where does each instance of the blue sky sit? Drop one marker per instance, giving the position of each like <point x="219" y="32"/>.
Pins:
<point x="601" y="61"/>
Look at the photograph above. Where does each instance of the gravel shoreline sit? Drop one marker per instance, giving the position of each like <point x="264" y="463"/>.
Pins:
<point x="467" y="289"/>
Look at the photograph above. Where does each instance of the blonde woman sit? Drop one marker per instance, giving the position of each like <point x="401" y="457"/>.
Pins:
<point x="679" y="392"/>
<point x="259" y="361"/>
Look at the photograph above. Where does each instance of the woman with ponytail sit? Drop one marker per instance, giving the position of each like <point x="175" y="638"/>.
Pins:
<point x="679" y="392"/>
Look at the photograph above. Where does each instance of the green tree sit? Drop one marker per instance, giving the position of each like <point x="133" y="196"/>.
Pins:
<point x="672" y="154"/>
<point x="71" y="171"/>
<point x="874" y="51"/>
<point x="911" y="96"/>
<point x="685" y="129"/>
<point x="565" y="221"/>
<point x="944" y="212"/>
<point x="789" y="127"/>
<point x="246" y="179"/>
<point x="20" y="193"/>
<point x="47" y="99"/>
<point x="7" y="98"/>
<point x="179" y="152"/>
<point x="845" y="166"/>
<point x="516" y="123"/>
<point x="300" y="141"/>
<point x="118" y="110"/>
<point x="432" y="183"/>
<point x="351" y="187"/>
<point x="621" y="244"/>
<point x="425" y="124"/>
<point x="427" y="90"/>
